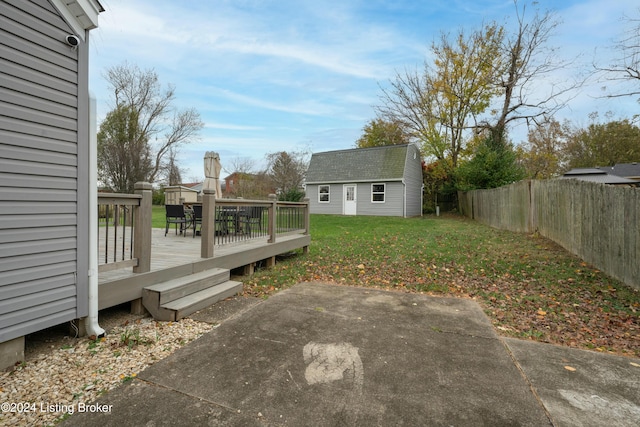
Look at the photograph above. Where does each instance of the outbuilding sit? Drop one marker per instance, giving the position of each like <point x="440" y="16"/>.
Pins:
<point x="382" y="181"/>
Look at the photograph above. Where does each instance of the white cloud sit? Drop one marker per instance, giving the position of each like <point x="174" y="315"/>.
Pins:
<point x="272" y="75"/>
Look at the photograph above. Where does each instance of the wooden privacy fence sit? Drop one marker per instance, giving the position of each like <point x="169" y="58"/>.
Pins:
<point x="597" y="222"/>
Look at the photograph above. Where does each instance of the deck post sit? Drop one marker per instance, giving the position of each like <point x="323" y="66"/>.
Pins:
<point x="307" y="216"/>
<point x="272" y="218"/>
<point x="142" y="228"/>
<point x="207" y="234"/>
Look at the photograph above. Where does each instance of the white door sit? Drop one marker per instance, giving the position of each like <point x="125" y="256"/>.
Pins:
<point x="350" y="199"/>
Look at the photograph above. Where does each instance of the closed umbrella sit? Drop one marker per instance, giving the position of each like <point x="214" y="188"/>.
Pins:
<point x="212" y="168"/>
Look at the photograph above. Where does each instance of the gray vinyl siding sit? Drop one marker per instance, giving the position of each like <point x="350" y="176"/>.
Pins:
<point x="392" y="205"/>
<point x="413" y="182"/>
<point x="334" y="207"/>
<point x="43" y="170"/>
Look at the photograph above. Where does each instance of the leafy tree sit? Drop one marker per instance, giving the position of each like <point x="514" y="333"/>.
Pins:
<point x="139" y="138"/>
<point x="436" y="180"/>
<point x="124" y="155"/>
<point x="543" y="155"/>
<point x="287" y="170"/>
<point x="603" y="144"/>
<point x="379" y="132"/>
<point x="493" y="165"/>
<point x="440" y="105"/>
<point x="293" y="195"/>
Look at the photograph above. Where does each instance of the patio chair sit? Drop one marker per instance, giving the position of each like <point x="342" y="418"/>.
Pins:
<point x="196" y="218"/>
<point x="175" y="215"/>
<point x="251" y="219"/>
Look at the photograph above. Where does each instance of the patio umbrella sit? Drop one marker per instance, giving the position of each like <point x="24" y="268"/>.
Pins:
<point x="212" y="168"/>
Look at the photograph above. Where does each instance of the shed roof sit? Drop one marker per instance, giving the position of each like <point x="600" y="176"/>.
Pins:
<point x="358" y="165"/>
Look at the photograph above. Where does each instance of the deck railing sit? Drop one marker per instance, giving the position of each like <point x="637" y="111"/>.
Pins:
<point x="227" y="221"/>
<point x="125" y="225"/>
<point x="124" y="230"/>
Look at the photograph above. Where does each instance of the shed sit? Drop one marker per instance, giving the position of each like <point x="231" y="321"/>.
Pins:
<point x="382" y="181"/>
<point x="45" y="134"/>
<point x="177" y="194"/>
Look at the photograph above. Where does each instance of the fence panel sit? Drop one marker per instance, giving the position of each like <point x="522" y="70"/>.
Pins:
<point x="597" y="222"/>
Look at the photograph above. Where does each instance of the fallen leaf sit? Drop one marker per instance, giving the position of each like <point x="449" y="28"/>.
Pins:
<point x="634" y="364"/>
<point x="542" y="313"/>
<point x="570" y="368"/>
<point x="361" y="266"/>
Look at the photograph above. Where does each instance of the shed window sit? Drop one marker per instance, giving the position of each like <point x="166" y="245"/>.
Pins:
<point x="323" y="194"/>
<point x="377" y="193"/>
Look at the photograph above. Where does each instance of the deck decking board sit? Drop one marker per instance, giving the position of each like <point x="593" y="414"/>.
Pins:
<point x="174" y="256"/>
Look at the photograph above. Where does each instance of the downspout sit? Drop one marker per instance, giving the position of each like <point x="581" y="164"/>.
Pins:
<point x="404" y="199"/>
<point x="93" y="329"/>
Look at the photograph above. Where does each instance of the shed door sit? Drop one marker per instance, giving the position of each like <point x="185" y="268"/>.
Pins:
<point x="350" y="199"/>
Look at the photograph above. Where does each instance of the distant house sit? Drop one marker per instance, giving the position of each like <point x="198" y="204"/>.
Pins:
<point x="45" y="143"/>
<point x="625" y="170"/>
<point x="234" y="181"/>
<point x="602" y="175"/>
<point x="383" y="181"/>
<point x="247" y="185"/>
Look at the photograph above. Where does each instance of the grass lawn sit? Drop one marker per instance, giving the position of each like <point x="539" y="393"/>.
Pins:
<point x="529" y="286"/>
<point x="158" y="218"/>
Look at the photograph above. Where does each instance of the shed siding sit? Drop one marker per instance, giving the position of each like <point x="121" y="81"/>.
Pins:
<point x="413" y="181"/>
<point x="334" y="207"/>
<point x="43" y="170"/>
<point x="392" y="205"/>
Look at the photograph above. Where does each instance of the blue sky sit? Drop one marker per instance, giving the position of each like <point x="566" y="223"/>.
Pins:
<point x="273" y="75"/>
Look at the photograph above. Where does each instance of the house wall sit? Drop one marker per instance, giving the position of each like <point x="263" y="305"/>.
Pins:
<point x="43" y="170"/>
<point x="334" y="207"/>
<point x="393" y="205"/>
<point x="413" y="182"/>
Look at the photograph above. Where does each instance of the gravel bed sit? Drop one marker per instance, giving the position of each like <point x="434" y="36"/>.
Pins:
<point x="61" y="371"/>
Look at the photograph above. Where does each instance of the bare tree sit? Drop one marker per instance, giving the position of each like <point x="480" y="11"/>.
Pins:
<point x="626" y="67"/>
<point x="527" y="60"/>
<point x="174" y="172"/>
<point x="159" y="128"/>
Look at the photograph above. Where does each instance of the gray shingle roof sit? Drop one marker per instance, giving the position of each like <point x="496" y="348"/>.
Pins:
<point x="599" y="175"/>
<point x="627" y="170"/>
<point x="358" y="164"/>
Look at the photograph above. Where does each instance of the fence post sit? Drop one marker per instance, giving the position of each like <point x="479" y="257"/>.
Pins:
<point x="142" y="228"/>
<point x="208" y="229"/>
<point x="272" y="218"/>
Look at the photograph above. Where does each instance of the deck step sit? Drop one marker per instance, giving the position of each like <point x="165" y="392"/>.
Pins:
<point x="177" y="298"/>
<point x="186" y="285"/>
<point x="197" y="301"/>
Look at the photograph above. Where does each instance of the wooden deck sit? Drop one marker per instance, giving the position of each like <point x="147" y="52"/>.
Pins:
<point x="175" y="256"/>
